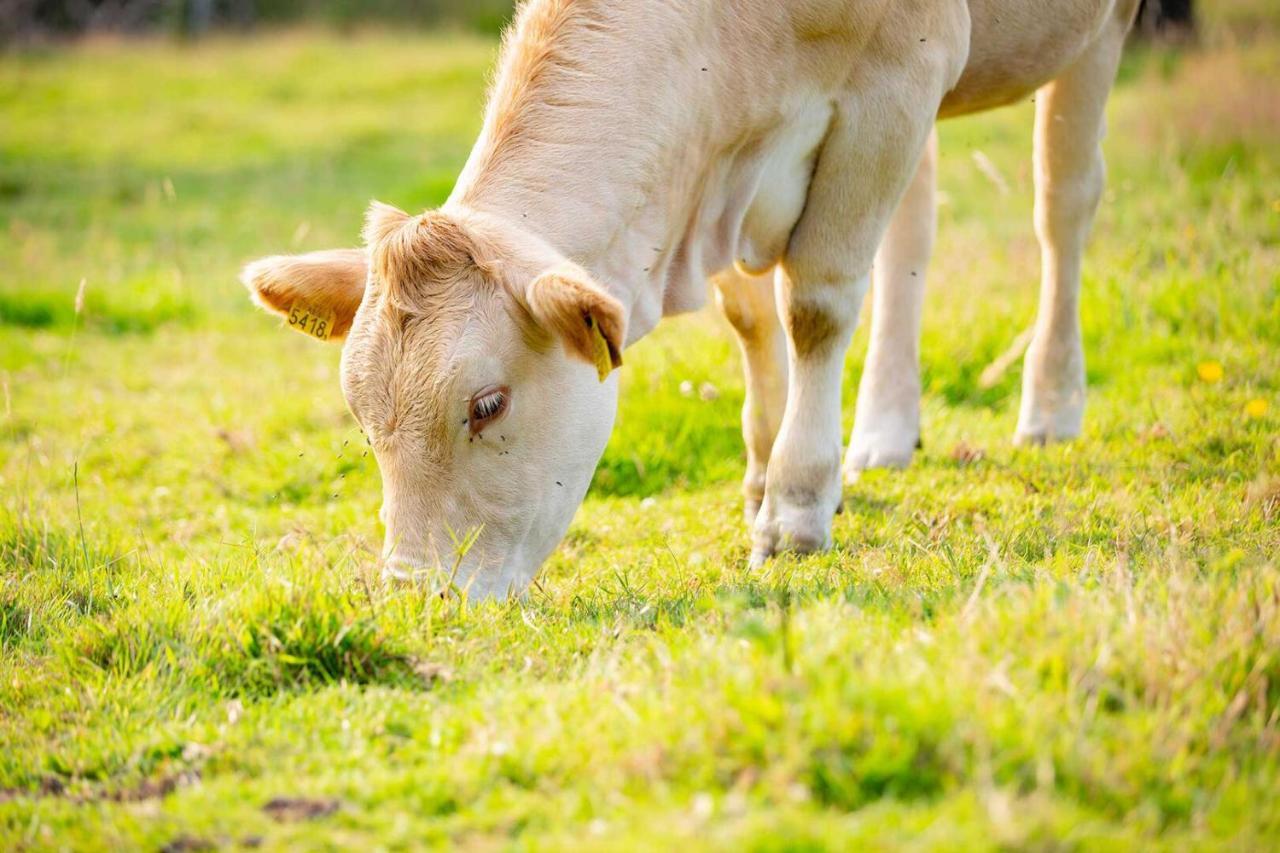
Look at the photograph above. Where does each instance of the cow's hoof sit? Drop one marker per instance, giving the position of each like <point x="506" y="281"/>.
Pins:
<point x="1053" y="395"/>
<point x="1040" y="438"/>
<point x="759" y="556"/>
<point x="867" y="452"/>
<point x="886" y="433"/>
<point x="1038" y="427"/>
<point x="795" y="529"/>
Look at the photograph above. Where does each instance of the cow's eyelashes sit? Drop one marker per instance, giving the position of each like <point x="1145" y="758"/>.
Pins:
<point x="487" y="406"/>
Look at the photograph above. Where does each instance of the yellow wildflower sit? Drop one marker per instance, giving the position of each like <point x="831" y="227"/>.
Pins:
<point x="1210" y="371"/>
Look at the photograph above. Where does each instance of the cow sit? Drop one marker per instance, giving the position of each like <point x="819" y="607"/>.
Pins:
<point x="632" y="151"/>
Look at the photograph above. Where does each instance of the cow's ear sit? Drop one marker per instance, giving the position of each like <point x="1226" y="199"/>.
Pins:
<point x="316" y="293"/>
<point x="573" y="308"/>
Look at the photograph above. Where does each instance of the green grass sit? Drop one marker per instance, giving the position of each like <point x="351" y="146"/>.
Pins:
<point x="1070" y="647"/>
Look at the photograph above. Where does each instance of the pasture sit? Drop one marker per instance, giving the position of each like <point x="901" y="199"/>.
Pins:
<point x="1076" y="646"/>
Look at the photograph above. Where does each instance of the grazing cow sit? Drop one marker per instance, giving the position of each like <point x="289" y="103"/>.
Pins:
<point x="630" y="152"/>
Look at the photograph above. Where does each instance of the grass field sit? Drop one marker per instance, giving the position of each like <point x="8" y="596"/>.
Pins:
<point x="1070" y="647"/>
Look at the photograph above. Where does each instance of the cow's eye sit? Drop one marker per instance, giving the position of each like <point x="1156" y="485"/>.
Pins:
<point x="488" y="406"/>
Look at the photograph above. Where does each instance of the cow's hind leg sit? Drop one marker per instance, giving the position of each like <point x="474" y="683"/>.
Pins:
<point x="1069" y="174"/>
<point x="748" y="304"/>
<point x="876" y="138"/>
<point x="886" y="427"/>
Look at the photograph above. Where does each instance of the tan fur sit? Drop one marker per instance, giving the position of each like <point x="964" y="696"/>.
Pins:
<point x="812" y="329"/>
<point x="437" y="264"/>
<point x="417" y="257"/>
<point x="533" y="49"/>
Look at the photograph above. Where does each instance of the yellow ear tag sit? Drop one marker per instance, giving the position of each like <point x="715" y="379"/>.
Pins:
<point x="311" y="321"/>
<point x="600" y="349"/>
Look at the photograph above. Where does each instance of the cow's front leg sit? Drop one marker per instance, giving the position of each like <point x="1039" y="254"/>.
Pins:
<point x="867" y="160"/>
<point x="802" y="483"/>
<point x="747" y="302"/>
<point x="886" y="427"/>
<point x="1069" y="173"/>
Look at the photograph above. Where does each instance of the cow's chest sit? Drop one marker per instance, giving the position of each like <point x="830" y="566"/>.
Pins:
<point x="740" y="212"/>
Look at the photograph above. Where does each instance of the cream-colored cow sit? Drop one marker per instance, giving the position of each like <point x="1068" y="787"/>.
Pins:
<point x="632" y="150"/>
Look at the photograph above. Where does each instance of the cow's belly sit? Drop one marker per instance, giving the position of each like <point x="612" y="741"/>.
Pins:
<point x="1016" y="46"/>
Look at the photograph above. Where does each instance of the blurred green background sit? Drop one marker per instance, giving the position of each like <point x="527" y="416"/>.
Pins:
<point x="34" y="19"/>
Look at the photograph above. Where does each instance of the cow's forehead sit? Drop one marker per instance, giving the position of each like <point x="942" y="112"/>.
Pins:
<point x="399" y="374"/>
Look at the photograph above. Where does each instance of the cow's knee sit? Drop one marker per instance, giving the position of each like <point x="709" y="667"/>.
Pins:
<point x="1065" y="207"/>
<point x="820" y="319"/>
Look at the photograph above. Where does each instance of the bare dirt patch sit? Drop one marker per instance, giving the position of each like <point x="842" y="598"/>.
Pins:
<point x="294" y="809"/>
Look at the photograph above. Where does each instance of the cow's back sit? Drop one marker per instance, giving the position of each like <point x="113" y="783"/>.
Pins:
<point x="1012" y="46"/>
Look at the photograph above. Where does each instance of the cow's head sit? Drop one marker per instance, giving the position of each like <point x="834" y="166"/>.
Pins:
<point x="477" y="360"/>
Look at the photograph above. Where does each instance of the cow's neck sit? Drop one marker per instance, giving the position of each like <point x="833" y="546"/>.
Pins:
<point x="605" y="170"/>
